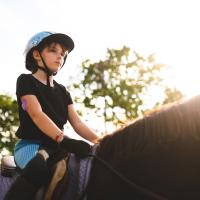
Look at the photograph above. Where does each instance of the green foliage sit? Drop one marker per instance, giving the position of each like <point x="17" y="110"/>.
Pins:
<point x="115" y="87"/>
<point x="172" y="94"/>
<point x="9" y="122"/>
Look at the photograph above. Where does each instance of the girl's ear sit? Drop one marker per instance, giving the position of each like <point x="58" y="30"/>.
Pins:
<point x="36" y="55"/>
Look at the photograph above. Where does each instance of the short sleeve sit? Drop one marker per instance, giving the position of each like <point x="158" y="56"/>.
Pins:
<point x="25" y="85"/>
<point x="69" y="98"/>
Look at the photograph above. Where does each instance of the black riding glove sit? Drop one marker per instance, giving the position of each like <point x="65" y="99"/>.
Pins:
<point x="78" y="147"/>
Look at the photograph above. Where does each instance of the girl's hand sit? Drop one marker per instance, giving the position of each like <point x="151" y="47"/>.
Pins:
<point x="75" y="146"/>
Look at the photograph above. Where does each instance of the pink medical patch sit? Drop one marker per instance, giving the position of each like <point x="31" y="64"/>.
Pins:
<point x="24" y="104"/>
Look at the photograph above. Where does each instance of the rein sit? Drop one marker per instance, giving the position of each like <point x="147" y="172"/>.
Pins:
<point x="145" y="192"/>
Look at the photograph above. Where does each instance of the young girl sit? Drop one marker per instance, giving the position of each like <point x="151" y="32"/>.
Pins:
<point x="44" y="108"/>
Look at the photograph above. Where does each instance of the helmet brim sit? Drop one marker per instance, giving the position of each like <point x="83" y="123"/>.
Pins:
<point x="61" y="38"/>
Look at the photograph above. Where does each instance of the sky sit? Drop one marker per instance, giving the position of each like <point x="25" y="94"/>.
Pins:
<point x="167" y="28"/>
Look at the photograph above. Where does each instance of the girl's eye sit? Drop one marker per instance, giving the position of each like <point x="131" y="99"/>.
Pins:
<point x="52" y="50"/>
<point x="63" y="54"/>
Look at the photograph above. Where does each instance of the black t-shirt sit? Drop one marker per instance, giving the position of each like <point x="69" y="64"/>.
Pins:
<point x="53" y="100"/>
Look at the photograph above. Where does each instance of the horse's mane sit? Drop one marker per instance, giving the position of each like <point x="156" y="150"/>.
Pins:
<point x="176" y="123"/>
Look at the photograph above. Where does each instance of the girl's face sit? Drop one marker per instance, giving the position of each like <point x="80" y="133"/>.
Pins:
<point x="54" y="56"/>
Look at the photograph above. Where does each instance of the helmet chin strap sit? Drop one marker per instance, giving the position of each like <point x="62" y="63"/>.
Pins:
<point x="46" y="70"/>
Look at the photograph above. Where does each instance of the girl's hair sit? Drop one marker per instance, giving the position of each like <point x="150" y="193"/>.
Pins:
<point x="31" y="63"/>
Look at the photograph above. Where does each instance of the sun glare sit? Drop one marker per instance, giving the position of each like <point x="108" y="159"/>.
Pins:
<point x="186" y="74"/>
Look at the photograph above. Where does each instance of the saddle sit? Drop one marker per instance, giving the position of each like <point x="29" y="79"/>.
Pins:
<point x="69" y="180"/>
<point x="8" y="167"/>
<point x="47" y="192"/>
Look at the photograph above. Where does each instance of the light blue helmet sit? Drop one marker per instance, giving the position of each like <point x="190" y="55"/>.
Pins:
<point x="46" y="36"/>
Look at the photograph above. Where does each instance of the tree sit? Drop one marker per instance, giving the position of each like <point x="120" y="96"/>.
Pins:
<point x="9" y="122"/>
<point x="172" y="94"/>
<point x="116" y="86"/>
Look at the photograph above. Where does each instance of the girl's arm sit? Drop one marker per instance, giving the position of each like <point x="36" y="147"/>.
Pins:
<point x="81" y="128"/>
<point x="46" y="125"/>
<point x="42" y="121"/>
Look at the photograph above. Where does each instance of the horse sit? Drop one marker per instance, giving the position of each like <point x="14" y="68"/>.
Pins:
<point x="159" y="153"/>
<point x="156" y="157"/>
